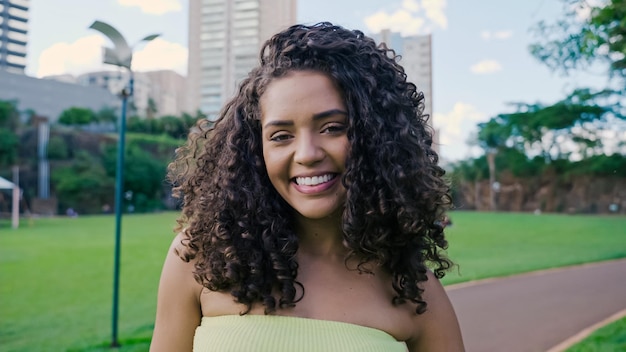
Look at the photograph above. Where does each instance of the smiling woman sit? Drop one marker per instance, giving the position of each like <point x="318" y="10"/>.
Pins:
<point x="312" y="210"/>
<point x="305" y="145"/>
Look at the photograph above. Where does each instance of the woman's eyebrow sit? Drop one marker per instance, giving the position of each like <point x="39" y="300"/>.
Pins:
<point x="319" y="115"/>
<point x="331" y="112"/>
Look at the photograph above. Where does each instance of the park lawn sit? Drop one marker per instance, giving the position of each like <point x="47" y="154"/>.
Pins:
<point x="56" y="274"/>
<point x="609" y="338"/>
<point x="487" y="244"/>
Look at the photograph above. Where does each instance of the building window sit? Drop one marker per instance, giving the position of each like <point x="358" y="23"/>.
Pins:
<point x="20" y="25"/>
<point x="16" y="48"/>
<point x="17" y="36"/>
<point x="17" y="60"/>
<point x="19" y="13"/>
<point x="22" y="3"/>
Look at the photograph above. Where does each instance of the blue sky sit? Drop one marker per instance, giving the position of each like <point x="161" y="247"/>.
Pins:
<point x="480" y="58"/>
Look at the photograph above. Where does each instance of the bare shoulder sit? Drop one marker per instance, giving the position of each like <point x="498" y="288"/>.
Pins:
<point x="437" y="329"/>
<point x="178" y="303"/>
<point x="179" y="270"/>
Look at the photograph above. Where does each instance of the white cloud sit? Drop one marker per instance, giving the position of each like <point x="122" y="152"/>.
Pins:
<point x="409" y="19"/>
<point x="434" y="12"/>
<point x="401" y="21"/>
<point x="451" y="123"/>
<point x="488" y="35"/>
<point x="486" y="66"/>
<point x="411" y="5"/>
<point x="455" y="127"/>
<point x="85" y="55"/>
<point x="160" y="54"/>
<point x="153" y="7"/>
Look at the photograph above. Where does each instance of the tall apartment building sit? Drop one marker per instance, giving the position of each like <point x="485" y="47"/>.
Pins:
<point x="416" y="58"/>
<point x="225" y="37"/>
<point x="416" y="53"/>
<point x="13" y="35"/>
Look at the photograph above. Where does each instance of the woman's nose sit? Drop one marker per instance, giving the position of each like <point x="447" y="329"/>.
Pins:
<point x="308" y="150"/>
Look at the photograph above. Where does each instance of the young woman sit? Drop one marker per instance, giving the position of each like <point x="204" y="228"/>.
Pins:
<point x="311" y="210"/>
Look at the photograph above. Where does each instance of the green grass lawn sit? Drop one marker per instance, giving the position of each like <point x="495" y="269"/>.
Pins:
<point x="56" y="274"/>
<point x="609" y="338"/>
<point x="499" y="244"/>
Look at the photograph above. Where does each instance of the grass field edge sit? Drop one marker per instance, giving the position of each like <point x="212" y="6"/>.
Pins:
<point x="586" y="332"/>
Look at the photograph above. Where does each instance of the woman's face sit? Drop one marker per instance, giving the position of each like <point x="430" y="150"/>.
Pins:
<point x="304" y="123"/>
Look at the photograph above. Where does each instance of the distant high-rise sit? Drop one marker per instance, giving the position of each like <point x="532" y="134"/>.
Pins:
<point x="224" y="41"/>
<point x="13" y="35"/>
<point x="416" y="58"/>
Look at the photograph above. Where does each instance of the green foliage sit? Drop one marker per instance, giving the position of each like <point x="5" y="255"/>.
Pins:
<point x="84" y="185"/>
<point x="540" y="129"/>
<point x="9" y="116"/>
<point x="173" y="126"/>
<point x="57" y="148"/>
<point x="9" y="144"/>
<point x="494" y="133"/>
<point x="472" y="169"/>
<point x="106" y="114"/>
<point x="77" y="116"/>
<point x="600" y="165"/>
<point x="518" y="163"/>
<point x="569" y="44"/>
<point x="144" y="176"/>
<point x="151" y="109"/>
<point x="9" y="139"/>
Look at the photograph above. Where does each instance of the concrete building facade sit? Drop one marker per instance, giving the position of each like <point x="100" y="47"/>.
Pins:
<point x="168" y="90"/>
<point x="48" y="98"/>
<point x="116" y="81"/>
<point x="224" y="41"/>
<point x="13" y="35"/>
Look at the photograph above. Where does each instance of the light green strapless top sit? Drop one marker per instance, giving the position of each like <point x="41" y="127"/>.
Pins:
<point x="265" y="333"/>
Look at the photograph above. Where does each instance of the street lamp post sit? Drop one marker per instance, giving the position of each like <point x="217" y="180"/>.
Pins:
<point x="121" y="55"/>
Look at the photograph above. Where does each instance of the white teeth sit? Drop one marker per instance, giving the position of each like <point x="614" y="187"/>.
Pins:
<point x="313" y="181"/>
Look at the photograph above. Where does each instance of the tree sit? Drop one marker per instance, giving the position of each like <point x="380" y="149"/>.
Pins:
<point x="9" y="141"/>
<point x="83" y="185"/>
<point x="9" y="115"/>
<point x="151" y="109"/>
<point x="144" y="175"/>
<point x="571" y="43"/>
<point x="57" y="148"/>
<point x="77" y="116"/>
<point x="545" y="129"/>
<point x="492" y="136"/>
<point x="107" y="114"/>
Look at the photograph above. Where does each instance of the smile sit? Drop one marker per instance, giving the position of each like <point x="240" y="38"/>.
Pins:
<point x="315" y="180"/>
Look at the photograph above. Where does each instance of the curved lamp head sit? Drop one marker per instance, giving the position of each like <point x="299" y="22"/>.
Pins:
<point x="121" y="54"/>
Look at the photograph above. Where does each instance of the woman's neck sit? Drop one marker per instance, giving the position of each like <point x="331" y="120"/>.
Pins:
<point x="321" y="237"/>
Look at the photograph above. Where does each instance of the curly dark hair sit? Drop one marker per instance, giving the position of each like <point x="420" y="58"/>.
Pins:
<point x="240" y="230"/>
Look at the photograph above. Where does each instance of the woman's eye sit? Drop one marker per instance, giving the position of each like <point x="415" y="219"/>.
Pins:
<point x="334" y="128"/>
<point x="279" y="137"/>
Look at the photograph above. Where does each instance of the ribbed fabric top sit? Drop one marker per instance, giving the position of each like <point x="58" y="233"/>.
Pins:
<point x="265" y="333"/>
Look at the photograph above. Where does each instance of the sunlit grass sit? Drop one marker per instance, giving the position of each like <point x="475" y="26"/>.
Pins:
<point x="499" y="244"/>
<point x="609" y="338"/>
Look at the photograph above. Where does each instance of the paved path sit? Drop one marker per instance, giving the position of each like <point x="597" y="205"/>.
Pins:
<point x="534" y="312"/>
